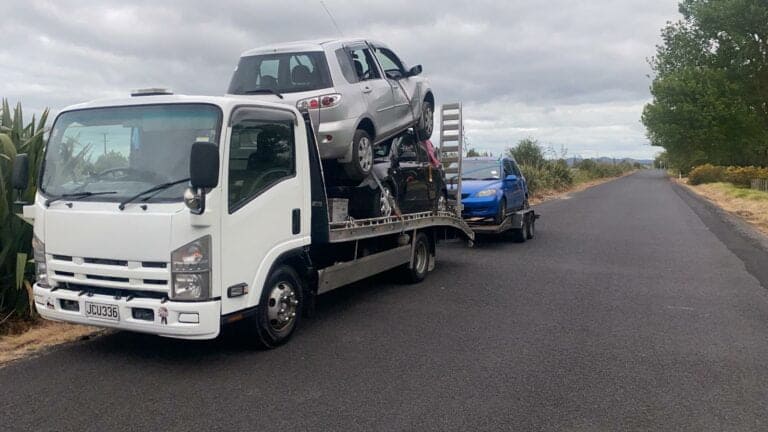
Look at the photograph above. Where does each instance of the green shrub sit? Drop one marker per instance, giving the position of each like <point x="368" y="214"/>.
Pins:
<point x="743" y="176"/>
<point x="15" y="234"/>
<point x="706" y="173"/>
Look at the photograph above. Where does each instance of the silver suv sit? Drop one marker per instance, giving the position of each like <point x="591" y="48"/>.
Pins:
<point x="359" y="93"/>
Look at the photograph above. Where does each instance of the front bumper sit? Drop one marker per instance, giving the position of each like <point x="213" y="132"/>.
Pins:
<point x="49" y="305"/>
<point x="480" y="207"/>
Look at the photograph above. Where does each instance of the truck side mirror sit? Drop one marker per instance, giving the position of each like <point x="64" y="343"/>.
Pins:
<point x="416" y="70"/>
<point x="203" y="174"/>
<point x="511" y="178"/>
<point x="204" y="165"/>
<point x="20" y="175"/>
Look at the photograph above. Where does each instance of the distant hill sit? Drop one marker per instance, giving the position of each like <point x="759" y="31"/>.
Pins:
<point x="606" y="160"/>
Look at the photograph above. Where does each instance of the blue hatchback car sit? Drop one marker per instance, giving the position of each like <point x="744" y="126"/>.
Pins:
<point x="492" y="187"/>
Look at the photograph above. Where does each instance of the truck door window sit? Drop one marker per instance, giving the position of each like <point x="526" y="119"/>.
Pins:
<point x="261" y="154"/>
<point x="365" y="67"/>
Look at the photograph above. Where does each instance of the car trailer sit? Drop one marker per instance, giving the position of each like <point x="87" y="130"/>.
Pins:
<point x="521" y="225"/>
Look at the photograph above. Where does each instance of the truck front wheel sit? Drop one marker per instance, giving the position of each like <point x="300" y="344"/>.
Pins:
<point x="280" y="307"/>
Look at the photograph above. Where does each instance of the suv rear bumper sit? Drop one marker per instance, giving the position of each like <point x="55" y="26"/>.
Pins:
<point x="206" y="314"/>
<point x="340" y="147"/>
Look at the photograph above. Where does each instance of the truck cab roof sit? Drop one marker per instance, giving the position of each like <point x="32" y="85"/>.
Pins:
<point x="224" y="102"/>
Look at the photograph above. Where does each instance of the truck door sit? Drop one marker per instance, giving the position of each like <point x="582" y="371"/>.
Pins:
<point x="267" y="198"/>
<point x="377" y="91"/>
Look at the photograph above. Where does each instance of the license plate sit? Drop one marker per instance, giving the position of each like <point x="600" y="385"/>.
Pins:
<point x="102" y="311"/>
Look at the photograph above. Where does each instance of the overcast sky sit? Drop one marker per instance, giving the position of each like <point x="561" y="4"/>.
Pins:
<point x="569" y="73"/>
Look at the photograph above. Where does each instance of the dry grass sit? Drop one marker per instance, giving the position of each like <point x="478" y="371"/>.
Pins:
<point x="547" y="195"/>
<point x="29" y="338"/>
<point x="750" y="205"/>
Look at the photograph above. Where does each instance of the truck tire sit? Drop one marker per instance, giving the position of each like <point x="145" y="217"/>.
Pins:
<point x="417" y="272"/>
<point x="362" y="156"/>
<point x="280" y="308"/>
<point x="426" y="123"/>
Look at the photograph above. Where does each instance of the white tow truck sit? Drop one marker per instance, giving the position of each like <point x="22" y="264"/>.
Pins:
<point x="174" y="215"/>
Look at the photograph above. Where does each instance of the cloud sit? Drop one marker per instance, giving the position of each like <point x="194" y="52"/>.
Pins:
<point x="571" y="74"/>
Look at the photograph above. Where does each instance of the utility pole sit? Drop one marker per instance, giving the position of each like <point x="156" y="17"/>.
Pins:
<point x="105" y="143"/>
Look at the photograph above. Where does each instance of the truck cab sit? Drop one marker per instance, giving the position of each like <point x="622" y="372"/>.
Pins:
<point x="172" y="215"/>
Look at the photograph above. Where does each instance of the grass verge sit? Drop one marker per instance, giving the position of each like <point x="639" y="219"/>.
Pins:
<point x="26" y="338"/>
<point x="749" y="204"/>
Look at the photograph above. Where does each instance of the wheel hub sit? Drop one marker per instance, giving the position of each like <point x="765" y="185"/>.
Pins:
<point x="365" y="153"/>
<point x="281" y="307"/>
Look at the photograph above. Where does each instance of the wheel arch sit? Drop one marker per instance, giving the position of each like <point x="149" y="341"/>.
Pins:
<point x="367" y="125"/>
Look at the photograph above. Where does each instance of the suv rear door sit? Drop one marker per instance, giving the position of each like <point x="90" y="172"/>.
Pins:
<point x="376" y="90"/>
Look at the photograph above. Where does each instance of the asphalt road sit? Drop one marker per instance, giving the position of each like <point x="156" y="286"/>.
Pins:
<point x="637" y="307"/>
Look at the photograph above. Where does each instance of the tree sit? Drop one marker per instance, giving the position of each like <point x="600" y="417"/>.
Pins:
<point x="710" y="91"/>
<point x="527" y="152"/>
<point x="472" y="153"/>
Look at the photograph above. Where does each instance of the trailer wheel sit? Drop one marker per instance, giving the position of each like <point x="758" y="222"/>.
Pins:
<point x="279" y="310"/>
<point x="520" y="235"/>
<point x="418" y="271"/>
<point x="531" y="231"/>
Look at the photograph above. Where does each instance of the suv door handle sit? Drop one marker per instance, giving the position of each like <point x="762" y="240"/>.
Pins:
<point x="367" y="89"/>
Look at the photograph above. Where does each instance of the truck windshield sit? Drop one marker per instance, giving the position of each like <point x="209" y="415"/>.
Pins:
<point x="480" y="170"/>
<point x="282" y="73"/>
<point x="125" y="150"/>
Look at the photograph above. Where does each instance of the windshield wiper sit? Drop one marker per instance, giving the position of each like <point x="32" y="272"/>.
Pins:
<point x="75" y="196"/>
<point x="264" y="90"/>
<point x="150" y="190"/>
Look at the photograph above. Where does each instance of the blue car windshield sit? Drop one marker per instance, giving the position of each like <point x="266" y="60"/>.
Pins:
<point x="480" y="170"/>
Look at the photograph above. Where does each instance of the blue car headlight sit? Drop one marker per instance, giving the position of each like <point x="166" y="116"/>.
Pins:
<point x="486" y="193"/>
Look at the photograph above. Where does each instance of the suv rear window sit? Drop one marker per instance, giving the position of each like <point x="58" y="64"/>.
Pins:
<point x="281" y="72"/>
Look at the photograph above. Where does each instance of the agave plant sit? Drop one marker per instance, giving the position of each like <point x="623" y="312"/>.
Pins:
<point x="15" y="234"/>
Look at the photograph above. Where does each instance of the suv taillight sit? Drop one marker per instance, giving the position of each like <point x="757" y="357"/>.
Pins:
<point x="324" y="101"/>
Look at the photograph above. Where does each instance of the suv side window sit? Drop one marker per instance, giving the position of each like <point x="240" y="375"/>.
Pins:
<point x="389" y="62"/>
<point x="345" y="63"/>
<point x="261" y="154"/>
<point x="363" y="63"/>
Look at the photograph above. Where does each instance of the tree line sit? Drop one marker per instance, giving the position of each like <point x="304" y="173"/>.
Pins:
<point x="710" y="86"/>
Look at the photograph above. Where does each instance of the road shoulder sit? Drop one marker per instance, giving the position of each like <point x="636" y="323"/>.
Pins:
<point x="741" y="238"/>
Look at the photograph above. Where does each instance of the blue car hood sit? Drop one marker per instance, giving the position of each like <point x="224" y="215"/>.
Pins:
<point x="473" y="186"/>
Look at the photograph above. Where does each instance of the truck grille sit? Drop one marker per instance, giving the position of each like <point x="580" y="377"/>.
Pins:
<point x="111" y="274"/>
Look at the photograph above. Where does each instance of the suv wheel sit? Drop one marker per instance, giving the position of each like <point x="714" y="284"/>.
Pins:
<point x="426" y="121"/>
<point x="362" y="156"/>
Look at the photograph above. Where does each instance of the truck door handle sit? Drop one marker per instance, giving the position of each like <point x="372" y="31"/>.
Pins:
<point x="367" y="89"/>
<point x="296" y="221"/>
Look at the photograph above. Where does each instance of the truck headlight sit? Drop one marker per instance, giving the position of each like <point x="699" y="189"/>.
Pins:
<point x="191" y="270"/>
<point x="486" y="193"/>
<point x="41" y="269"/>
